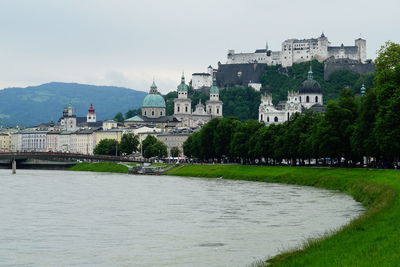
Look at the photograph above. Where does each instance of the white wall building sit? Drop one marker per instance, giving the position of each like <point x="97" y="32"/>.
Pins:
<point x="203" y="79"/>
<point x="296" y="51"/>
<point x="309" y="96"/>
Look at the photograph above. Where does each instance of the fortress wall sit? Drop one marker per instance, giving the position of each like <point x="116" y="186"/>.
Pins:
<point x="359" y="68"/>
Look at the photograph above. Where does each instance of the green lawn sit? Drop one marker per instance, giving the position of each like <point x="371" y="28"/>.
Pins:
<point x="100" y="167"/>
<point x="373" y="239"/>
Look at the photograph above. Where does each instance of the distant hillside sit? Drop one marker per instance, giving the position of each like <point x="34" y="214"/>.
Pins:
<point x="35" y="104"/>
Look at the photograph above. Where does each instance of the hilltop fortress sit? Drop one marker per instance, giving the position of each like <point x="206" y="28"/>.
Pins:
<point x="297" y="51"/>
<point x="245" y="69"/>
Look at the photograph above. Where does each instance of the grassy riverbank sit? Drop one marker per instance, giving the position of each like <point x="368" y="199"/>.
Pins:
<point x="100" y="167"/>
<point x="370" y="240"/>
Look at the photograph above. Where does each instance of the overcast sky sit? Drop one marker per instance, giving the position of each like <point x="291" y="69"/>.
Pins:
<point x="127" y="43"/>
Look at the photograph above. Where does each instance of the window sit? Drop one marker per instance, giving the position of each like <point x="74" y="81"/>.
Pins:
<point x="307" y="99"/>
<point x="300" y="98"/>
<point x="186" y="109"/>
<point x="267" y="119"/>
<point x="276" y="119"/>
<point x="261" y="117"/>
<point x="145" y="113"/>
<point x="288" y="116"/>
<point x="316" y="98"/>
<point x="179" y="109"/>
<point x="217" y="110"/>
<point x="160" y="113"/>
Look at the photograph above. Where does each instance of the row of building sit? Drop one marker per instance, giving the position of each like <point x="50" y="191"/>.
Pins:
<point x="73" y="134"/>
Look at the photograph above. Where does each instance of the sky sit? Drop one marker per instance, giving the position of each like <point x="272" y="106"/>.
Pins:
<point x="129" y="42"/>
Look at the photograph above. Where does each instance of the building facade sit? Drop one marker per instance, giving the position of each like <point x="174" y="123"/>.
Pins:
<point x="308" y="96"/>
<point x="297" y="51"/>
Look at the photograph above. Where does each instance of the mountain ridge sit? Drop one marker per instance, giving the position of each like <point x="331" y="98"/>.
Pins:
<point x="31" y="105"/>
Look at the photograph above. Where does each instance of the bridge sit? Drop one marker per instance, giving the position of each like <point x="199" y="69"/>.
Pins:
<point x="59" y="156"/>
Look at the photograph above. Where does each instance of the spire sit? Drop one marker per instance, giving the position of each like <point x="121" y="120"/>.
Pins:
<point x="310" y="73"/>
<point x="153" y="88"/>
<point x="266" y="45"/>
<point x="183" y="77"/>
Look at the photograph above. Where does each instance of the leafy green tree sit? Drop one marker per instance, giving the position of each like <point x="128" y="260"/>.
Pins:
<point x="387" y="82"/>
<point x="223" y="136"/>
<point x="207" y="146"/>
<point x="364" y="141"/>
<point x="119" y="117"/>
<point x="240" y="144"/>
<point x="106" y="147"/>
<point x="240" y="102"/>
<point x="129" y="143"/>
<point x="175" y="152"/>
<point x="152" y="147"/>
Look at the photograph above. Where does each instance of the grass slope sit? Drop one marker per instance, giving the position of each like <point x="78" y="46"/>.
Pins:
<point x="100" y="167"/>
<point x="373" y="239"/>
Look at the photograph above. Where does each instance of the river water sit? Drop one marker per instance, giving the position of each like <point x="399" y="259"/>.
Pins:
<point x="60" y="218"/>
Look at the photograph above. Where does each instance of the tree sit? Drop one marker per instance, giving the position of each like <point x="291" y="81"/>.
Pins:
<point x="106" y="147"/>
<point x="223" y="136"/>
<point x="119" y="117"/>
<point x="175" y="151"/>
<point x="152" y="147"/>
<point x="240" y="145"/>
<point x="241" y="102"/>
<point x="387" y="81"/>
<point x="129" y="143"/>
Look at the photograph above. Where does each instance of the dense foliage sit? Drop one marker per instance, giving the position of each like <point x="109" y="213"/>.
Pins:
<point x="128" y="145"/>
<point x="352" y="130"/>
<point x="152" y="147"/>
<point x="107" y="147"/>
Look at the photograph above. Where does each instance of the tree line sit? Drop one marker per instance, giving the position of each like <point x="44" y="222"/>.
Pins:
<point x="353" y="130"/>
<point x="129" y="144"/>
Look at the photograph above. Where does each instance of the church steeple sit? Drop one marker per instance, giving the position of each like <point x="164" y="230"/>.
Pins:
<point x="153" y="88"/>
<point x="310" y="74"/>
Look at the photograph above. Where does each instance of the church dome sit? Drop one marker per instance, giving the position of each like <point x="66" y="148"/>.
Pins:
<point x="310" y="86"/>
<point x="214" y="90"/>
<point x="153" y="100"/>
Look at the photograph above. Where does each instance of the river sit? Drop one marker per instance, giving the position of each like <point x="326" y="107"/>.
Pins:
<point x="61" y="218"/>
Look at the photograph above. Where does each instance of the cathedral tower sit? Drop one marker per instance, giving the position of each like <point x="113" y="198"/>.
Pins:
<point x="214" y="105"/>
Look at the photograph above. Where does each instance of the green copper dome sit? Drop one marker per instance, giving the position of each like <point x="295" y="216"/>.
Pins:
<point x="214" y="90"/>
<point x="153" y="100"/>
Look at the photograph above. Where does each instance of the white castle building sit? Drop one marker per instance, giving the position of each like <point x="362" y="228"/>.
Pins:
<point x="297" y="51"/>
<point x="309" y="96"/>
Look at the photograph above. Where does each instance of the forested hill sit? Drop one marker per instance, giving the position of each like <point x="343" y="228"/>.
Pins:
<point x="35" y="104"/>
<point x="281" y="80"/>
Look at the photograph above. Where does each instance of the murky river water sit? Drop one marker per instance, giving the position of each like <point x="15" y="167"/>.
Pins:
<point x="58" y="218"/>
